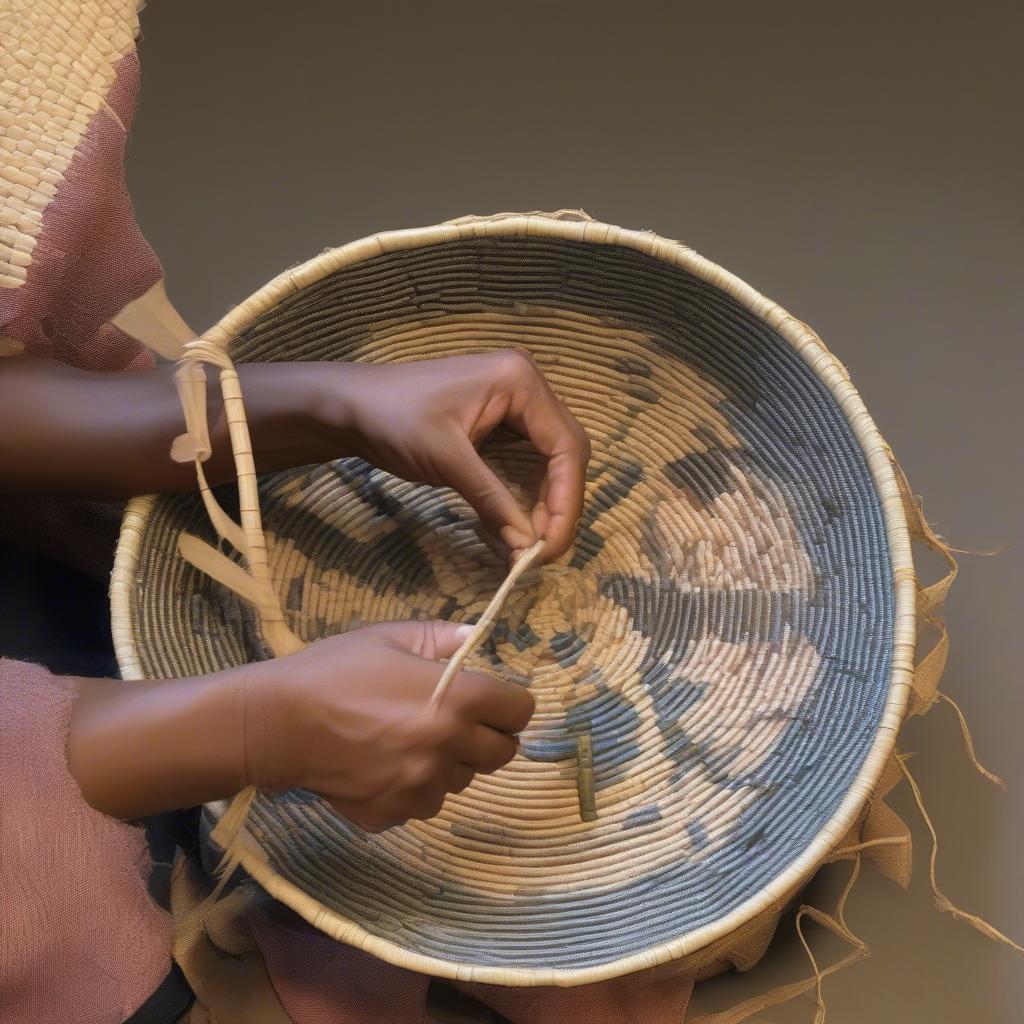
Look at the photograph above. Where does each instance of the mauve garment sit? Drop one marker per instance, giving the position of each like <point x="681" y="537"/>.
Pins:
<point x="80" y="939"/>
<point x="320" y="981"/>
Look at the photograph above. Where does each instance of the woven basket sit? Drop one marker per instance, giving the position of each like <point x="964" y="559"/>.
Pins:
<point x="721" y="662"/>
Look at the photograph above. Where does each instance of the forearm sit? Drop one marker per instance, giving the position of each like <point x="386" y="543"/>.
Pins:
<point x="72" y="433"/>
<point x="140" y="748"/>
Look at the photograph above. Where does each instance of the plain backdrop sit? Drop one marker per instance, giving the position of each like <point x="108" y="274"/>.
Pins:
<point x="861" y="163"/>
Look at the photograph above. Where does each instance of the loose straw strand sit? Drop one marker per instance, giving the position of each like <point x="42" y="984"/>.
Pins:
<point x="941" y="900"/>
<point x="932" y="598"/>
<point x="485" y="622"/>
<point x="969" y="742"/>
<point x="848" y="851"/>
<point x="835" y="923"/>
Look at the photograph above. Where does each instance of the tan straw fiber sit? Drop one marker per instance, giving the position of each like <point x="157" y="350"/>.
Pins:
<point x="721" y="663"/>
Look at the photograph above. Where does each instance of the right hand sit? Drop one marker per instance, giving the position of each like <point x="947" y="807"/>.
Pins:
<point x="350" y="718"/>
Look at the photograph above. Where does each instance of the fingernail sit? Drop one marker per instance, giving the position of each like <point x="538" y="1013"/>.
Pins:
<point x="463" y="632"/>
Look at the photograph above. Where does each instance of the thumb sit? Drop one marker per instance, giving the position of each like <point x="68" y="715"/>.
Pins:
<point x="491" y="499"/>
<point x="433" y="639"/>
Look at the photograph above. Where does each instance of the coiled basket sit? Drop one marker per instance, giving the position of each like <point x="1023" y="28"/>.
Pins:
<point x="721" y="662"/>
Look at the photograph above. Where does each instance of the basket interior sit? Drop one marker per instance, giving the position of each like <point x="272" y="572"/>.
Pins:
<point x="722" y="627"/>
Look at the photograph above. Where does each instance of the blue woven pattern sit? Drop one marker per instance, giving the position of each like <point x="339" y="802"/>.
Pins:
<point x="722" y="628"/>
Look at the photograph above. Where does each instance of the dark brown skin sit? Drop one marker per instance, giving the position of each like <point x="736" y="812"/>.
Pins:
<point x="348" y="717"/>
<point x="423" y="421"/>
<point x="107" y="435"/>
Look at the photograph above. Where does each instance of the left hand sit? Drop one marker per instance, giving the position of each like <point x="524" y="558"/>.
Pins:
<point x="423" y="422"/>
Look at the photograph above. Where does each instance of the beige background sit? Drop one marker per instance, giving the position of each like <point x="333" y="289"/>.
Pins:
<point x="861" y="163"/>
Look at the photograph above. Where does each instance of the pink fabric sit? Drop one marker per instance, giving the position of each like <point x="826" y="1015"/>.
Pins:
<point x="80" y="939"/>
<point x="636" y="997"/>
<point x="320" y="981"/>
<point x="90" y="259"/>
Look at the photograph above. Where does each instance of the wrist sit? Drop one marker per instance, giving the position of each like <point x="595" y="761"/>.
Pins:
<point x="332" y="406"/>
<point x="271" y="744"/>
<point x="292" y="420"/>
<point x="139" y="748"/>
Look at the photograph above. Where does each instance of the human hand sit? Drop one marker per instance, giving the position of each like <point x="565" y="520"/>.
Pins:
<point x="423" y="421"/>
<point x="350" y="719"/>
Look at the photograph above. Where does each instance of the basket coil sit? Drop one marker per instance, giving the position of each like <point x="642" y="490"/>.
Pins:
<point x="727" y="648"/>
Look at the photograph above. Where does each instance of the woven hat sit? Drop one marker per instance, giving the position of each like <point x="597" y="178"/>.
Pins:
<point x="720" y="663"/>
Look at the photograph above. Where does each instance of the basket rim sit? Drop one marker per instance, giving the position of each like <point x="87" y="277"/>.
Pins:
<point x="574" y="226"/>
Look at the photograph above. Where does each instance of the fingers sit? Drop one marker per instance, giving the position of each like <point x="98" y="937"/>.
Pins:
<point x="498" y="703"/>
<point x="458" y="777"/>
<point x="491" y="499"/>
<point x="484" y="749"/>
<point x="474" y="696"/>
<point x="525" y="402"/>
<point x="432" y="639"/>
<point x="561" y="501"/>
<point x="422" y="803"/>
<point x="536" y="412"/>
